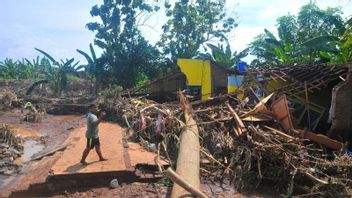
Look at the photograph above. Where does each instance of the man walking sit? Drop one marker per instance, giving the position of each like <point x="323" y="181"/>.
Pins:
<point x="92" y="133"/>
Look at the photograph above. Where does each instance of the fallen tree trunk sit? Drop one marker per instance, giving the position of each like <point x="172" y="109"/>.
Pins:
<point x="188" y="160"/>
<point x="184" y="184"/>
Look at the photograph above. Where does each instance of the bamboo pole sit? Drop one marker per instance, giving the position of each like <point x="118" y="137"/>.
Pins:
<point x="188" y="160"/>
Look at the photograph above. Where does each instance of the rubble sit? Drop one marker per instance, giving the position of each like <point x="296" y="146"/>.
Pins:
<point x="252" y="153"/>
<point x="35" y="114"/>
<point x="7" y="98"/>
<point x="10" y="149"/>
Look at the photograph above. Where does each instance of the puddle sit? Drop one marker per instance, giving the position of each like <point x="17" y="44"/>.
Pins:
<point x="4" y="180"/>
<point x="63" y="118"/>
<point x="31" y="147"/>
<point x="23" y="131"/>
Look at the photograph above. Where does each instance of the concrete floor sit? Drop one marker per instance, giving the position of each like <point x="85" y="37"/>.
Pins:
<point x="119" y="157"/>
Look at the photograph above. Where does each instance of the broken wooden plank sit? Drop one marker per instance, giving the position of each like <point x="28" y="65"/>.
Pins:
<point x="236" y="117"/>
<point x="254" y="96"/>
<point x="256" y="118"/>
<point x="47" y="153"/>
<point x="282" y="134"/>
<point x="240" y="126"/>
<point x="280" y="108"/>
<point x="321" y="139"/>
<point x="261" y="104"/>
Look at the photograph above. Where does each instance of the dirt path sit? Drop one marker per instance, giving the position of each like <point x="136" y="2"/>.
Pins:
<point x="39" y="137"/>
<point x="54" y="130"/>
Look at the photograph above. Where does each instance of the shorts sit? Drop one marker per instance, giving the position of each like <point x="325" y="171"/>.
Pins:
<point x="92" y="142"/>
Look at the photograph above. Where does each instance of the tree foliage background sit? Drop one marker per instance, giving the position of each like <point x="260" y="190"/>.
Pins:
<point x="314" y="35"/>
<point x="193" y="29"/>
<point x="128" y="54"/>
<point x="191" y="24"/>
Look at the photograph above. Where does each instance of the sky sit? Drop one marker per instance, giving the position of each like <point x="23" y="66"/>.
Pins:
<point x="59" y="26"/>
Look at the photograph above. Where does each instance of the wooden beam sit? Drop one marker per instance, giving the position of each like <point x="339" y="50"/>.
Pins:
<point x="321" y="139"/>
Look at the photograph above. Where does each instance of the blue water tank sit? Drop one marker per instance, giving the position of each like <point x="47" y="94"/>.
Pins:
<point x="241" y="66"/>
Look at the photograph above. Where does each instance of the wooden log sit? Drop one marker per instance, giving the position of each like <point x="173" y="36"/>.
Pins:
<point x="184" y="184"/>
<point x="39" y="156"/>
<point x="188" y="160"/>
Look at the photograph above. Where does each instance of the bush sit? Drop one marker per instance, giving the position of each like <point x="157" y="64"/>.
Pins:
<point x="111" y="92"/>
<point x="72" y="78"/>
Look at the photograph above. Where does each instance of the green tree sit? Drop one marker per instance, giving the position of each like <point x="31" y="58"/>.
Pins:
<point x="34" y="67"/>
<point x="287" y="28"/>
<point x="223" y="56"/>
<point x="270" y="50"/>
<point x="95" y="68"/>
<point x="314" y="22"/>
<point x="57" y="72"/>
<point x="301" y="38"/>
<point x="344" y="50"/>
<point x="21" y="69"/>
<point x="9" y="69"/>
<point x="191" y="24"/>
<point x="128" y="54"/>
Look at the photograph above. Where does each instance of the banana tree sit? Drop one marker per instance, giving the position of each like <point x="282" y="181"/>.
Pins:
<point x="56" y="72"/>
<point x="9" y="69"/>
<point x="271" y="50"/>
<point x="93" y="68"/>
<point x="223" y="56"/>
<point x="35" y="68"/>
<point x="302" y="38"/>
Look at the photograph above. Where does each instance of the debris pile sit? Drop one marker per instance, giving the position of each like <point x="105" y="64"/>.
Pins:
<point x="249" y="142"/>
<point x="34" y="114"/>
<point x="7" y="98"/>
<point x="10" y="149"/>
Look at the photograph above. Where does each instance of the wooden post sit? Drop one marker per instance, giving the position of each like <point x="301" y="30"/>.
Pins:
<point x="188" y="160"/>
<point x="307" y="104"/>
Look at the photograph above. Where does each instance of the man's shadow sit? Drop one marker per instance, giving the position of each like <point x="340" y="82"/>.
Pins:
<point x="78" y="166"/>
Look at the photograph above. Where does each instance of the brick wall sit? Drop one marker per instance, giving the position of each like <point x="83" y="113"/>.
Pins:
<point x="342" y="114"/>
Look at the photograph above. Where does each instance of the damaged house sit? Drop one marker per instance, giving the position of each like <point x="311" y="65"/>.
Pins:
<point x="319" y="96"/>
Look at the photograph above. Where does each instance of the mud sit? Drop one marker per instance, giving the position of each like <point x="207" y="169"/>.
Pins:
<point x="158" y="190"/>
<point x="39" y="137"/>
<point x="125" y="190"/>
<point x="53" y="131"/>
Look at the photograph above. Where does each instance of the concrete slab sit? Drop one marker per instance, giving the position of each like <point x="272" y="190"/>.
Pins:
<point x="111" y="139"/>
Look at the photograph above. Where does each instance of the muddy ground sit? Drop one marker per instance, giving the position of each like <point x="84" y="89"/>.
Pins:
<point x="39" y="137"/>
<point x="158" y="190"/>
<point x="53" y="131"/>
